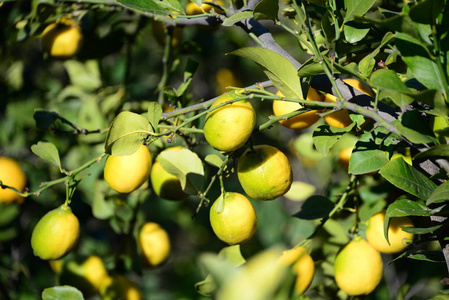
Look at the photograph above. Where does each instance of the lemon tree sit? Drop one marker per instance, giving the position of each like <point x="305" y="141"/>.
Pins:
<point x="62" y="39"/>
<point x="265" y="172"/>
<point x="154" y="243"/>
<point x="11" y="174"/>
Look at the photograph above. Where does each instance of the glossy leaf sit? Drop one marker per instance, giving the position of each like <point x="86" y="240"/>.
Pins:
<point x="154" y="114"/>
<point x="357" y="8"/>
<point x="367" y="161"/>
<point x="413" y="126"/>
<point x="427" y="11"/>
<point x="325" y="136"/>
<point x="266" y="10"/>
<point x="155" y="7"/>
<point x="416" y="230"/>
<point x="316" y="207"/>
<point x="435" y="151"/>
<point x="355" y="32"/>
<point x="440" y="194"/>
<point x="48" y="152"/>
<point x="44" y="119"/>
<point x="388" y="79"/>
<point x="214" y="160"/>
<point x="235" y="18"/>
<point x="62" y="292"/>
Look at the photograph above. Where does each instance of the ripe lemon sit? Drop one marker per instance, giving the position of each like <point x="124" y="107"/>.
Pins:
<point x="237" y="222"/>
<point x="302" y="121"/>
<point x="11" y="175"/>
<point x="396" y="236"/>
<point x="154" y="243"/>
<point x="225" y="78"/>
<point x="126" y="173"/>
<point x="120" y="287"/>
<point x="85" y="273"/>
<point x="302" y="266"/>
<point x="166" y="185"/>
<point x="341" y="118"/>
<point x="62" y="39"/>
<point x="358" y="267"/>
<point x="344" y="156"/>
<point x="55" y="234"/>
<point x="264" y="173"/>
<point x="230" y="126"/>
<point x="193" y="9"/>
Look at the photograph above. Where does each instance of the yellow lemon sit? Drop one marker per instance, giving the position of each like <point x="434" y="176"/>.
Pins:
<point x="302" y="121"/>
<point x="166" y="185"/>
<point x="237" y="222"/>
<point x="230" y="126"/>
<point x="344" y="156"/>
<point x="303" y="267"/>
<point x="193" y="9"/>
<point x="120" y="287"/>
<point x="225" y="78"/>
<point x="62" y="39"/>
<point x="126" y="173"/>
<point x="359" y="85"/>
<point x="55" y="234"/>
<point x="11" y="175"/>
<point x="358" y="268"/>
<point x="264" y="173"/>
<point x="84" y="273"/>
<point x="396" y="236"/>
<point x="154" y="243"/>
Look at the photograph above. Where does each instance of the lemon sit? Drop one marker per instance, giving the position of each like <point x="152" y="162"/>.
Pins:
<point x="230" y="126"/>
<point x="55" y="234"/>
<point x="62" y="39"/>
<point x="154" y="243"/>
<point x="85" y="273"/>
<point x="344" y="156"/>
<point x="358" y="268"/>
<point x="225" y="78"/>
<point x="303" y="267"/>
<point x="264" y="173"/>
<point x="237" y="222"/>
<point x="193" y="9"/>
<point x="126" y="173"/>
<point x="302" y="121"/>
<point x="11" y="175"/>
<point x="359" y="85"/>
<point x="396" y="236"/>
<point x="120" y="287"/>
<point x="166" y="185"/>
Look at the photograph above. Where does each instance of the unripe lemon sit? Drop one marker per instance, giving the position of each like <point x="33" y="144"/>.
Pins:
<point x="358" y="268"/>
<point x="302" y="121"/>
<point x="55" y="234"/>
<point x="237" y="222"/>
<point x="154" y="243"/>
<point x="230" y="126"/>
<point x="62" y="39"/>
<point x="120" y="287"/>
<point x="126" y="173"/>
<point x="86" y="274"/>
<point x="11" y="175"/>
<point x="302" y="266"/>
<point x="166" y="185"/>
<point x="264" y="173"/>
<point x="396" y="236"/>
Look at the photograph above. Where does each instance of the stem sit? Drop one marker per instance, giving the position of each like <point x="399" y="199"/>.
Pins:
<point x="167" y="63"/>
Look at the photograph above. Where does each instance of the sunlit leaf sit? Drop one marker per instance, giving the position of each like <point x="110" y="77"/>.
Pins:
<point x="62" y="292"/>
<point x="48" y="152"/>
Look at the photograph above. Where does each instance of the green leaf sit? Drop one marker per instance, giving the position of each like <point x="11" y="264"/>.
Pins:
<point x="407" y="178"/>
<point x="435" y="151"/>
<point x="154" y="114"/>
<point x="440" y="194"/>
<point x="388" y="79"/>
<point x="233" y="255"/>
<point x="355" y="32"/>
<point x="154" y="7"/>
<point x="220" y="203"/>
<point x="413" y="126"/>
<point x="126" y="133"/>
<point x="405" y="208"/>
<point x="316" y="207"/>
<point x="266" y="10"/>
<point x="310" y="68"/>
<point x="416" y="230"/>
<point x="65" y="292"/>
<point x="277" y="68"/>
<point x="207" y="286"/>
<point x="84" y="75"/>
<point x="367" y="64"/>
<point x="48" y="152"/>
<point x="235" y="18"/>
<point x="367" y="161"/>
<point x="44" y="119"/>
<point x="214" y="160"/>
<point x="190" y="69"/>
<point x="8" y="213"/>
<point x="325" y="136"/>
<point x="187" y="166"/>
<point x="426" y="12"/>
<point x="357" y="8"/>
<point x="429" y="256"/>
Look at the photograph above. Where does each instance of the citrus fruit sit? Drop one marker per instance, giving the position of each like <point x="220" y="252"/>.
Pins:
<point x="341" y="117"/>
<point x="344" y="156"/>
<point x="358" y="267"/>
<point x="225" y="78"/>
<point x="396" y="236"/>
<point x="302" y="266"/>
<point x="11" y="175"/>
<point x="237" y="222"/>
<point x="302" y="121"/>
<point x="126" y="173"/>
<point x="264" y="173"/>
<point x="55" y="234"/>
<point x="230" y="126"/>
<point x="62" y="39"/>
<point x="84" y="273"/>
<point x="193" y="9"/>
<point x="154" y="243"/>
<point x="160" y="36"/>
<point x="166" y="185"/>
<point x="119" y="287"/>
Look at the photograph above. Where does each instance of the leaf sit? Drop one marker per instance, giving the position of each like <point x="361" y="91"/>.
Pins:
<point x="413" y="126"/>
<point x="416" y="230"/>
<point x="355" y="32"/>
<point x="44" y="119"/>
<point x="310" y="68"/>
<point x="84" y="75"/>
<point x="190" y="69"/>
<point x="407" y="178"/>
<point x="325" y="136"/>
<point x="266" y="10"/>
<point x="126" y="133"/>
<point x="429" y="256"/>
<point x="388" y="79"/>
<point x="435" y="151"/>
<point x="235" y="18"/>
<point x="214" y="160"/>
<point x="154" y="7"/>
<point x="426" y="12"/>
<point x="300" y="191"/>
<point x="367" y="161"/>
<point x="316" y="207"/>
<point x="357" y="8"/>
<point x="8" y="213"/>
<point x="277" y="68"/>
<point x="48" y="152"/>
<point x="154" y="114"/>
<point x="62" y="292"/>
<point x="440" y="194"/>
<point x="187" y="166"/>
